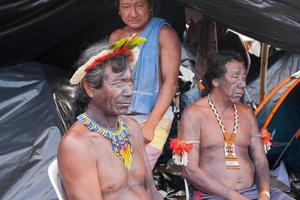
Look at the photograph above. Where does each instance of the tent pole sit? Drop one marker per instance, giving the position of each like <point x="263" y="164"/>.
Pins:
<point x="263" y="69"/>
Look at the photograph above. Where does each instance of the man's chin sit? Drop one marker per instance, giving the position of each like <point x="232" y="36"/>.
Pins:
<point x="135" y="26"/>
<point x="236" y="99"/>
<point x="138" y="25"/>
<point x="123" y="110"/>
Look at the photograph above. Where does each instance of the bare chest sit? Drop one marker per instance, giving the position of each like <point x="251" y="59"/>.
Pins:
<point x="111" y="171"/>
<point x="212" y="136"/>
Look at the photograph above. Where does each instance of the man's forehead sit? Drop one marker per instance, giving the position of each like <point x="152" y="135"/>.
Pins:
<point x="110" y="72"/>
<point x="235" y="65"/>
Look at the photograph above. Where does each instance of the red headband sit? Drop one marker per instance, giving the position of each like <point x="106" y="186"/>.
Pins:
<point x="124" y="51"/>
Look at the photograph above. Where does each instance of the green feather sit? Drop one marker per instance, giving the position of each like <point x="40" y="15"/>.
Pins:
<point x="118" y="44"/>
<point x="134" y="42"/>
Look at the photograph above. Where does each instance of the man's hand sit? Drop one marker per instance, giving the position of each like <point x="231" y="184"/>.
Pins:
<point x="148" y="132"/>
<point x="264" y="196"/>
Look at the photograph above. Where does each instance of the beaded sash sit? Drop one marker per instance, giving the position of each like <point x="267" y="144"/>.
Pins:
<point x="120" y="139"/>
<point x="229" y="149"/>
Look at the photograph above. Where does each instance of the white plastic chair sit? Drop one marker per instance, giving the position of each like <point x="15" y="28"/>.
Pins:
<point x="54" y="178"/>
<point x="187" y="191"/>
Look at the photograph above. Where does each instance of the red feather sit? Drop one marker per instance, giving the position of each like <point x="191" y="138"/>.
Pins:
<point x="179" y="147"/>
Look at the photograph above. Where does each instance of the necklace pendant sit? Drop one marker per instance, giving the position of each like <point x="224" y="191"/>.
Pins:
<point x="230" y="157"/>
<point x="231" y="160"/>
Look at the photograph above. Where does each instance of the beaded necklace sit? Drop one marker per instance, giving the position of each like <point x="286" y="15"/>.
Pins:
<point x="229" y="150"/>
<point x="120" y="139"/>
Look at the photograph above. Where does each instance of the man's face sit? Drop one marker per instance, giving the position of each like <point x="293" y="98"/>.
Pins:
<point x="234" y="81"/>
<point x="135" y="13"/>
<point x="114" y="96"/>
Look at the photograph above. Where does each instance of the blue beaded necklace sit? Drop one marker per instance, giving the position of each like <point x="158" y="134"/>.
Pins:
<point x="120" y="139"/>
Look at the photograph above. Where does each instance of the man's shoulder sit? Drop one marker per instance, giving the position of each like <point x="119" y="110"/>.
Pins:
<point x="131" y="123"/>
<point x="117" y="34"/>
<point x="129" y="120"/>
<point x="167" y="31"/>
<point x="74" y="138"/>
<point x="169" y="40"/>
<point x="200" y="105"/>
<point x="198" y="109"/>
<point x="245" y="109"/>
<point x="133" y="126"/>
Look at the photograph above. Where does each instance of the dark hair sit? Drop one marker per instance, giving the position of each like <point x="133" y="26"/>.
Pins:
<point x="95" y="77"/>
<point x="232" y="42"/>
<point x="216" y="67"/>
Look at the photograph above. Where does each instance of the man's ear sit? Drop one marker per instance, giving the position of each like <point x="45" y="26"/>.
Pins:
<point x="215" y="83"/>
<point x="88" y="88"/>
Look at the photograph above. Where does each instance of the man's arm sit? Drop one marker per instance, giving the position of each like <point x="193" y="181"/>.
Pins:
<point x="262" y="175"/>
<point x="169" y="56"/>
<point x="189" y="130"/>
<point x="149" y="182"/>
<point x="77" y="170"/>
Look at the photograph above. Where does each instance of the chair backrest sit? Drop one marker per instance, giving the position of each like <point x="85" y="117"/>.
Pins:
<point x="187" y="192"/>
<point x="54" y="178"/>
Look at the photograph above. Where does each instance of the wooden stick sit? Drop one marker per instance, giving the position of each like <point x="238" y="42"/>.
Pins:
<point x="263" y="69"/>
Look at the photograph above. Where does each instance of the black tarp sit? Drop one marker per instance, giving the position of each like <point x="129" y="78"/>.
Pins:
<point x="52" y="31"/>
<point x="29" y="132"/>
<point x="275" y="22"/>
<point x="55" y="32"/>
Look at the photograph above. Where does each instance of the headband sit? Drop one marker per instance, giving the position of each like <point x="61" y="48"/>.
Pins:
<point x="127" y="46"/>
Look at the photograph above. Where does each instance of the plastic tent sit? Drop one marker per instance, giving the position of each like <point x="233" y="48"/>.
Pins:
<point x="54" y="32"/>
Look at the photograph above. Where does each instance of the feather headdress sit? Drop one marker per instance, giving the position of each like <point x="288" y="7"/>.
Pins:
<point x="127" y="46"/>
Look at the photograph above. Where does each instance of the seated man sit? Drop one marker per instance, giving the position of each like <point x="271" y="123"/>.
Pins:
<point x="102" y="155"/>
<point x="230" y="161"/>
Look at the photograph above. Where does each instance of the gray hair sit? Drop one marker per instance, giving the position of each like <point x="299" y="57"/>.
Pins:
<point x="95" y="76"/>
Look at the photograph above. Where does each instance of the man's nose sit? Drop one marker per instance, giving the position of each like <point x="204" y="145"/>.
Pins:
<point x="133" y="12"/>
<point x="242" y="84"/>
<point x="128" y="88"/>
